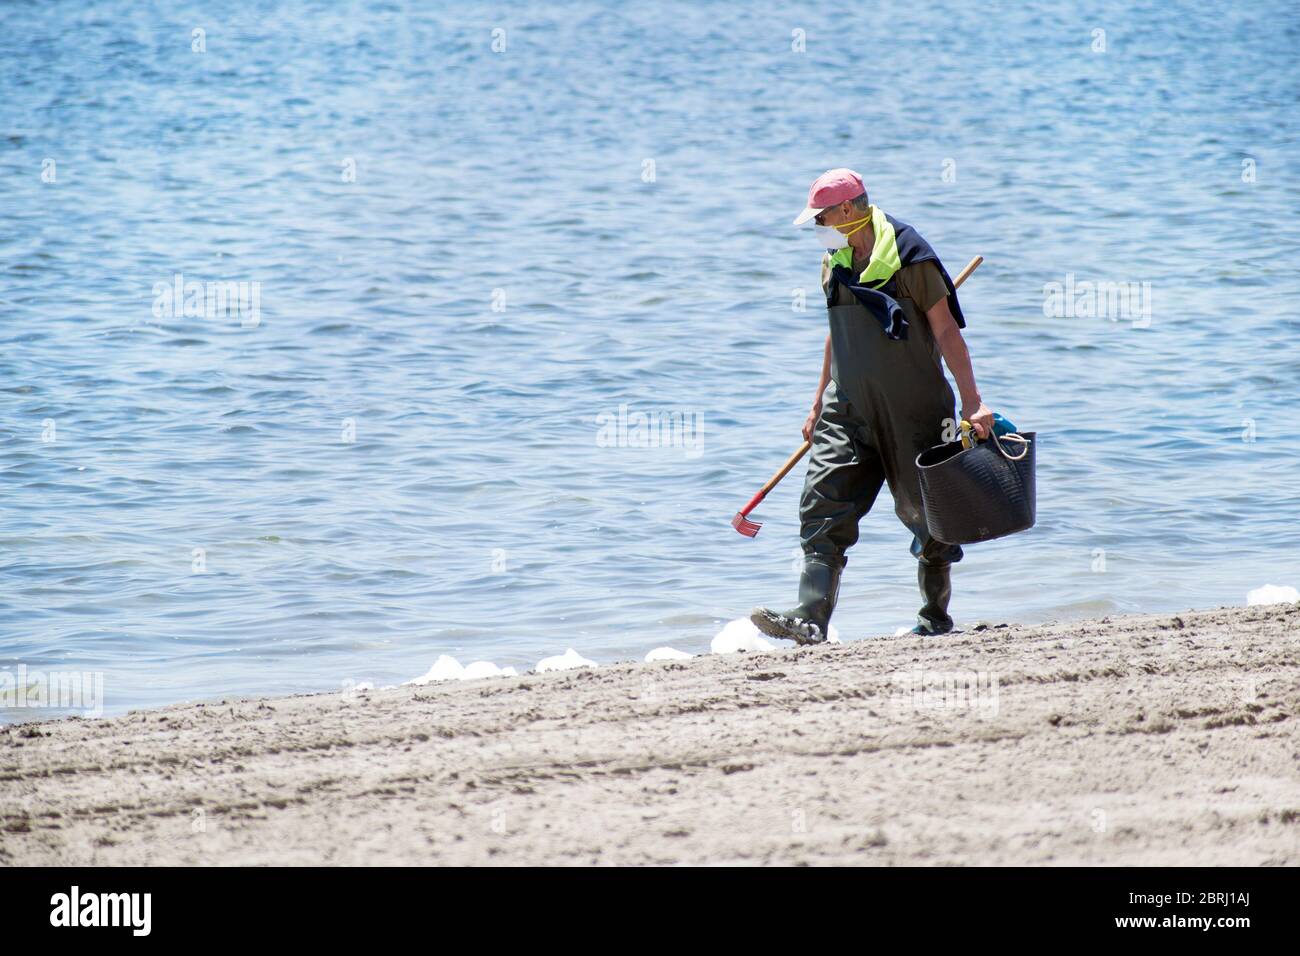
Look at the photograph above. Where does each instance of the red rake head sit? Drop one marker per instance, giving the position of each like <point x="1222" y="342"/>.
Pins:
<point x="745" y="526"/>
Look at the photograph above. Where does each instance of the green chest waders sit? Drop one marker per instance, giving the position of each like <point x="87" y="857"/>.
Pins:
<point x="897" y="391"/>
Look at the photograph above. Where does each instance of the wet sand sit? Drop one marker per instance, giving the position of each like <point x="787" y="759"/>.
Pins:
<point x="1151" y="739"/>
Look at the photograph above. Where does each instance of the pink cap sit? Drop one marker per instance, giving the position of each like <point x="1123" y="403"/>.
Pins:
<point x="831" y="188"/>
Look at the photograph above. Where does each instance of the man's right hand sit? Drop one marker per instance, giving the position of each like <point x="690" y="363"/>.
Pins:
<point x="811" y="422"/>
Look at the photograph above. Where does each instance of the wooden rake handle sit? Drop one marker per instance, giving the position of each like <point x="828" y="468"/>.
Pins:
<point x="965" y="273"/>
<point x="775" y="479"/>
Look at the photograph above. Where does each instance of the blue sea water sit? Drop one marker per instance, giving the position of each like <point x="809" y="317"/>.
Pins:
<point x="477" y="231"/>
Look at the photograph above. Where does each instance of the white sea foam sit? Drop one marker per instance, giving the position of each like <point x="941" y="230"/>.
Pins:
<point x="740" y="635"/>
<point x="1273" y="594"/>
<point x="444" y="668"/>
<point x="486" y="669"/>
<point x="448" y="668"/>
<point x="563" y="662"/>
<point x="668" y="654"/>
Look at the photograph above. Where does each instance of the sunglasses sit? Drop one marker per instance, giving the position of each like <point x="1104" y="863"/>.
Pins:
<point x="822" y="222"/>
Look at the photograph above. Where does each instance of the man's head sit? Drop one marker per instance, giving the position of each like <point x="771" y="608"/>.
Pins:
<point x="836" y="196"/>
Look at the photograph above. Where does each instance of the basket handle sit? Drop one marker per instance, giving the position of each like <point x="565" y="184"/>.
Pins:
<point x="969" y="438"/>
<point x="1012" y="436"/>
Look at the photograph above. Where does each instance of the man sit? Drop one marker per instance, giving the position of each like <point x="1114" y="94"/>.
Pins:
<point x="881" y="400"/>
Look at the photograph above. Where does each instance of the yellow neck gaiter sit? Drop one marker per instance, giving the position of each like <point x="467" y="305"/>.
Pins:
<point x="884" y="260"/>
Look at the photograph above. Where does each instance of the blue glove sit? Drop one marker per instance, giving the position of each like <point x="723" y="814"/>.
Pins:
<point x="1003" y="425"/>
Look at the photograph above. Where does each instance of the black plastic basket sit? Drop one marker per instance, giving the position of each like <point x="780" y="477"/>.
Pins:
<point x="980" y="493"/>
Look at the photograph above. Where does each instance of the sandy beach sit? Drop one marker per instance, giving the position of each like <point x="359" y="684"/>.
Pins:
<point x="1153" y="739"/>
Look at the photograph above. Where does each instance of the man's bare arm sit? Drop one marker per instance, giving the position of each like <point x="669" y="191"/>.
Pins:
<point x="811" y="421"/>
<point x="952" y="346"/>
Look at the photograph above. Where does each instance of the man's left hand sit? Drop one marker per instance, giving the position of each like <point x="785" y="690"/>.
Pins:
<point x="981" y="418"/>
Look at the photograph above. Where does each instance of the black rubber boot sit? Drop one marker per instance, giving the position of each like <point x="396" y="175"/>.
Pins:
<point x="808" y="623"/>
<point x="936" y="587"/>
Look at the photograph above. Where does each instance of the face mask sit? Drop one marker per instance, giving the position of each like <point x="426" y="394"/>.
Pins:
<point x="830" y="237"/>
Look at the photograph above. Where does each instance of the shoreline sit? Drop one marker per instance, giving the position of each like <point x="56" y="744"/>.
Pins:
<point x="1153" y="739"/>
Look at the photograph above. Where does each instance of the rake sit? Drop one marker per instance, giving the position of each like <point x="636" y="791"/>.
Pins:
<point x="746" y="525"/>
<point x="742" y="522"/>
